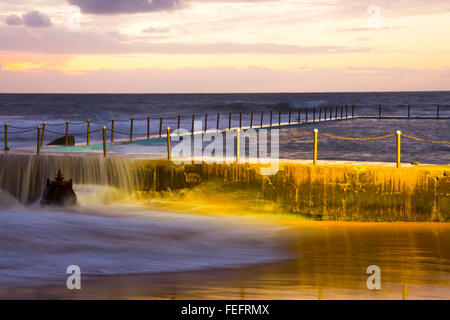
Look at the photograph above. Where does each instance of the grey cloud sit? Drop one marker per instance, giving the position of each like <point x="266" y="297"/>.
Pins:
<point x="110" y="7"/>
<point x="13" y="20"/>
<point x="36" y="19"/>
<point x="130" y="6"/>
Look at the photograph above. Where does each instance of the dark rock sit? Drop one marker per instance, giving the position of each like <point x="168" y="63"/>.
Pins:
<point x="62" y="141"/>
<point x="59" y="192"/>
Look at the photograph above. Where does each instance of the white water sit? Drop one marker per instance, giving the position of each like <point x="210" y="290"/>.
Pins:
<point x="24" y="177"/>
<point x="109" y="232"/>
<point x="37" y="245"/>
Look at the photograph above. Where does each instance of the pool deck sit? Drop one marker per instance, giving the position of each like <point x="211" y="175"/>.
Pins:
<point x="58" y="151"/>
<point x="163" y="156"/>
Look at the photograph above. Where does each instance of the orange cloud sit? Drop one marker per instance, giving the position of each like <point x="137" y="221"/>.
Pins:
<point x="24" y="66"/>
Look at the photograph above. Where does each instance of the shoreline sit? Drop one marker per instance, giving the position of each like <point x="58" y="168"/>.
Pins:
<point x="331" y="262"/>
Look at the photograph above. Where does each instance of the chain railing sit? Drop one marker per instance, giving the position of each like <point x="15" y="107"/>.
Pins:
<point x="398" y="134"/>
<point x="425" y="140"/>
<point x="292" y="116"/>
<point x="298" y="135"/>
<point x="356" y="139"/>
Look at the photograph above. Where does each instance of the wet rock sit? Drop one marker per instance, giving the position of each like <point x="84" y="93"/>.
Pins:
<point x="59" y="192"/>
<point x="62" y="141"/>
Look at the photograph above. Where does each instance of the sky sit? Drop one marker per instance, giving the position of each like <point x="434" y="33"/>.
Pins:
<point x="166" y="46"/>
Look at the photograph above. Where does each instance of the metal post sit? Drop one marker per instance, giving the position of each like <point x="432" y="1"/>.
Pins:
<point x="38" y="141"/>
<point x="251" y="120"/>
<point x="229" y="120"/>
<point x="192" y="132"/>
<point x="238" y="145"/>
<point x="131" y="128"/>
<point x="262" y="118"/>
<point x="379" y="111"/>
<point x="437" y="112"/>
<point x="279" y="118"/>
<point x="306" y="114"/>
<point x="178" y="123"/>
<point x="168" y="144"/>
<point x="270" y="118"/>
<point x="299" y="113"/>
<point x="206" y="122"/>
<point x="87" y="131"/>
<point x="218" y="120"/>
<point x="353" y="111"/>
<point x="325" y="113"/>
<point x="112" y="130"/>
<point x="346" y="111"/>
<point x="67" y="132"/>
<point x="104" y="141"/>
<point x="409" y="111"/>
<point x="290" y="116"/>
<point x="320" y="113"/>
<point x="314" y="114"/>
<point x="148" y="126"/>
<point x="342" y="111"/>
<point x="160" y="126"/>
<point x="399" y="133"/>
<point x="44" y="124"/>
<point x="6" y="136"/>
<point x="240" y="119"/>
<point x="315" y="147"/>
<point x="335" y="113"/>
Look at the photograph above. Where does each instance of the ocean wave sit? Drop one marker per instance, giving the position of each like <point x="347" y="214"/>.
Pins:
<point x="7" y="200"/>
<point x="38" y="246"/>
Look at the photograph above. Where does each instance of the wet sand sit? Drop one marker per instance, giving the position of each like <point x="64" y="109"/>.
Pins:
<point x="330" y="263"/>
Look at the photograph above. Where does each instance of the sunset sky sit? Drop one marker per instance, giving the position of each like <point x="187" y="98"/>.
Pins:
<point x="224" y="45"/>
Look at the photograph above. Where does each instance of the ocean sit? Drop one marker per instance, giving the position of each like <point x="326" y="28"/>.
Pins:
<point x="103" y="107"/>
<point x="23" y="111"/>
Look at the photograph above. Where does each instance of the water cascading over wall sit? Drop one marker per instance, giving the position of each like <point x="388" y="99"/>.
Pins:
<point x="336" y="192"/>
<point x="24" y="177"/>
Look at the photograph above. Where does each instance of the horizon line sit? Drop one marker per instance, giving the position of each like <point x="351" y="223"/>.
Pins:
<point x="206" y="93"/>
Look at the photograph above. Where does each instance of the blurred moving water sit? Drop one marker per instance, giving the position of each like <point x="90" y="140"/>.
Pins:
<point x="38" y="244"/>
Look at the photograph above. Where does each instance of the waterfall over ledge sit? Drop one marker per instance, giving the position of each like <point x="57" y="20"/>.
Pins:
<point x="24" y="176"/>
<point x="329" y="192"/>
